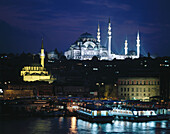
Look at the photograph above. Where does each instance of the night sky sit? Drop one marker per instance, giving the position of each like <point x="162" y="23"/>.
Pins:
<point x="61" y="22"/>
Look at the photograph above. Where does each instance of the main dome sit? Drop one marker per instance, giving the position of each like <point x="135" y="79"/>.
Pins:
<point x="86" y="37"/>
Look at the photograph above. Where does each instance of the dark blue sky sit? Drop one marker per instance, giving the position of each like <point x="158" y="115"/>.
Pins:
<point x="24" y="22"/>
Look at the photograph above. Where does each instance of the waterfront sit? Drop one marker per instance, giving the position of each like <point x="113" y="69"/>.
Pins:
<point x="72" y="125"/>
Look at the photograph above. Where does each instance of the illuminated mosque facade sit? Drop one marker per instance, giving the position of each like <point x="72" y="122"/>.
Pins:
<point x="86" y="47"/>
<point x="37" y="72"/>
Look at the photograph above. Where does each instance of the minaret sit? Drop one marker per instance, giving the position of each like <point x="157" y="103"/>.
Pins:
<point x="109" y="39"/>
<point x="126" y="47"/>
<point x="98" y="39"/>
<point x="138" y="45"/>
<point x="98" y="34"/>
<point x="42" y="55"/>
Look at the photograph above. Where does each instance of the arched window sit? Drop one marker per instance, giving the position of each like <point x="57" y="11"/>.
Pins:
<point x="136" y="82"/>
<point x="132" y="82"/>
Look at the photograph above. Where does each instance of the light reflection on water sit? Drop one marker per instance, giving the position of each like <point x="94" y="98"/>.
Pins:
<point x="125" y="127"/>
<point x="72" y="125"/>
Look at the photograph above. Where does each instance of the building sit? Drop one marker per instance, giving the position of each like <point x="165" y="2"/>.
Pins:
<point x="52" y="56"/>
<point x="138" y="88"/>
<point x="37" y="72"/>
<point x="71" y="90"/>
<point x="27" y="90"/>
<point x="13" y="91"/>
<point x="86" y="47"/>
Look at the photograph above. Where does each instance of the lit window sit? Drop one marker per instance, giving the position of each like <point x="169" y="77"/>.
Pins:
<point x="1" y="91"/>
<point x="95" y="69"/>
<point x="116" y="72"/>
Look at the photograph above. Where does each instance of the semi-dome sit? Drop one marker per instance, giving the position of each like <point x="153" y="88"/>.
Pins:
<point x="90" y="46"/>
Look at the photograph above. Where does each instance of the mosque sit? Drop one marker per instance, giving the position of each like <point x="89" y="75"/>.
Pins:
<point x="37" y="72"/>
<point x="86" y="47"/>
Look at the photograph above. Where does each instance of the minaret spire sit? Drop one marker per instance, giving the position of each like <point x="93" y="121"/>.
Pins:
<point x="42" y="45"/>
<point x="138" y="45"/>
<point x="42" y="55"/>
<point x="98" y="34"/>
<point x="126" y="46"/>
<point x="109" y="39"/>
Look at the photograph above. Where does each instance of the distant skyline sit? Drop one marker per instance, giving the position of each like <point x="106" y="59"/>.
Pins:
<point x="61" y="22"/>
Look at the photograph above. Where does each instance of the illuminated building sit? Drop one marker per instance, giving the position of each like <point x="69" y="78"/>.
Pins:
<point x="13" y="91"/>
<point x="37" y="72"/>
<point x="138" y="88"/>
<point x="24" y="90"/>
<point x="52" y="56"/>
<point x="86" y="47"/>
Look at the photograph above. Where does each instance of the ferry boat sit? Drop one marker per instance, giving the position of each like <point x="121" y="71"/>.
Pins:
<point x="139" y="114"/>
<point x="93" y="113"/>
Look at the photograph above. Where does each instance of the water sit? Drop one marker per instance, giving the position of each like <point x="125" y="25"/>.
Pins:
<point x="72" y="125"/>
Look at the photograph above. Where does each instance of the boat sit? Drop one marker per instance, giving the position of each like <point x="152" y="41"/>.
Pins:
<point x="51" y="112"/>
<point x="139" y="114"/>
<point x="95" y="113"/>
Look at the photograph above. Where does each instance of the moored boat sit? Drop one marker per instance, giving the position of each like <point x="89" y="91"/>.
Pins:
<point x="93" y="113"/>
<point x="139" y="114"/>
